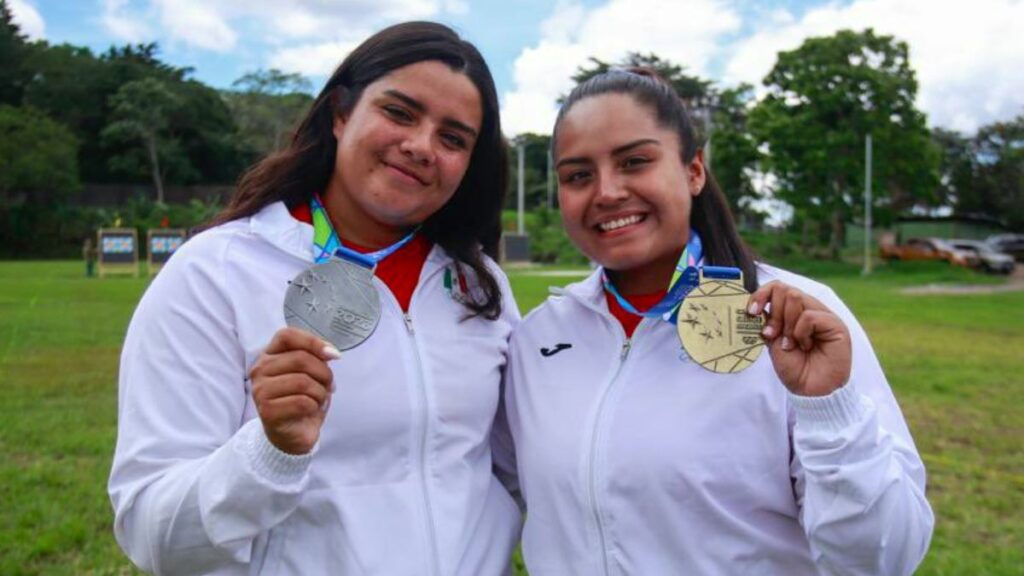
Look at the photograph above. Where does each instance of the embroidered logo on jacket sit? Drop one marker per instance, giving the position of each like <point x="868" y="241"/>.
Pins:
<point x="548" y="352"/>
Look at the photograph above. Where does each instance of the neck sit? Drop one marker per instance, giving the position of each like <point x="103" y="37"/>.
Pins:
<point x="355" y="226"/>
<point x="648" y="278"/>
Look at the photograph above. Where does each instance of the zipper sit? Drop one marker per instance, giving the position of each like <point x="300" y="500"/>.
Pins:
<point x="596" y="440"/>
<point x="425" y="423"/>
<point x="424" y="429"/>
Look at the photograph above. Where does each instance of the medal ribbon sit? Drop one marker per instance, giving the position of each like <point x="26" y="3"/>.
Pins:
<point x="685" y="278"/>
<point x="327" y="244"/>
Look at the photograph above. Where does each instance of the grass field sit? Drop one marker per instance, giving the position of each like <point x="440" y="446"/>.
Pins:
<point x="956" y="364"/>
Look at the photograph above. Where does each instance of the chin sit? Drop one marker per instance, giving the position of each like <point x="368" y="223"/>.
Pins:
<point x="619" y="262"/>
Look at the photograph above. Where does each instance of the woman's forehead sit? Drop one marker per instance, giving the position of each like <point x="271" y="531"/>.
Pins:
<point x="607" y="121"/>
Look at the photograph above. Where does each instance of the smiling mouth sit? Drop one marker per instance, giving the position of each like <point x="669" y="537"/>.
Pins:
<point x="618" y="223"/>
<point x="406" y="173"/>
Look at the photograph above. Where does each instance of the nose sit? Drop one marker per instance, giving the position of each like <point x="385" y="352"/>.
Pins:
<point x="418" y="145"/>
<point x="609" y="190"/>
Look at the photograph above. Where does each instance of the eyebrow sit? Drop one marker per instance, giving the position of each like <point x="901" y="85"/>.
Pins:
<point x="419" y="107"/>
<point x="615" y="152"/>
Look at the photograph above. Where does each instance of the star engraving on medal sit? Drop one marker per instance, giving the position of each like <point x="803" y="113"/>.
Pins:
<point x="707" y="335"/>
<point x="303" y="285"/>
<point x="312" y="305"/>
<point x="691" y="320"/>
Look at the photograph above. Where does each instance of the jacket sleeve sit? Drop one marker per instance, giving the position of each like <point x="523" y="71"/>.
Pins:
<point x="858" y="478"/>
<point x="192" y="484"/>
<point x="503" y="453"/>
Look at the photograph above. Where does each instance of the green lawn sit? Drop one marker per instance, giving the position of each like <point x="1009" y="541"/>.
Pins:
<point x="955" y="362"/>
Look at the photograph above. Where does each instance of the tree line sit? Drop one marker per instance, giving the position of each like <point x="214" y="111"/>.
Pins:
<point x="803" y="141"/>
<point x="69" y="116"/>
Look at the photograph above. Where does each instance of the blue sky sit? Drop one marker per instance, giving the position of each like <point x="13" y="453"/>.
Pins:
<point x="968" y="61"/>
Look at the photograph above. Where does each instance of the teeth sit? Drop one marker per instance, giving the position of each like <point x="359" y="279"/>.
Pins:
<point x="616" y="224"/>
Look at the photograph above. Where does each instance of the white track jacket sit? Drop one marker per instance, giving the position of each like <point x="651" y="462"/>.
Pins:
<point x="400" y="482"/>
<point x="633" y="460"/>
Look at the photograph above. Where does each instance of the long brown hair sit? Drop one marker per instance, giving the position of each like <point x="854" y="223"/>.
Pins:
<point x="469" y="225"/>
<point x="710" y="215"/>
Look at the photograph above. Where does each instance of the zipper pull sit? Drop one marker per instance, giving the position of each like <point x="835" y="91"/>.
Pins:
<point x="408" y="323"/>
<point x="625" y="348"/>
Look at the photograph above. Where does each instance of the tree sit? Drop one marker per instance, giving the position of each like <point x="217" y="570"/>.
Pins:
<point x="14" y="50"/>
<point x="734" y="153"/>
<point x="823" y="99"/>
<point x="38" y="157"/>
<point x="75" y="87"/>
<point x="957" y="169"/>
<point x="266" y="106"/>
<point x="999" y="150"/>
<point x="141" y="112"/>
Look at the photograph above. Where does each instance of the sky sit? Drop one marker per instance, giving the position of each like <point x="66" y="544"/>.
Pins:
<point x="969" y="56"/>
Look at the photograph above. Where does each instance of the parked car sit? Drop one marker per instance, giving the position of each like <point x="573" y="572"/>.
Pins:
<point x="929" y="249"/>
<point x="1012" y="244"/>
<point x="990" y="260"/>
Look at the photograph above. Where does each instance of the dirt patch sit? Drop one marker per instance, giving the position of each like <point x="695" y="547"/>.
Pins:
<point x="1014" y="283"/>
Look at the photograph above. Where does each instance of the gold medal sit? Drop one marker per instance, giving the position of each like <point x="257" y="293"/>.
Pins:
<point x="714" y="327"/>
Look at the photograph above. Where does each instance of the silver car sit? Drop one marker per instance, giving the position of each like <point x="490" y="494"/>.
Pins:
<point x="989" y="259"/>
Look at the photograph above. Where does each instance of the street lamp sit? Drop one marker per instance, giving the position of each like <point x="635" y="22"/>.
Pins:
<point x="520" y="144"/>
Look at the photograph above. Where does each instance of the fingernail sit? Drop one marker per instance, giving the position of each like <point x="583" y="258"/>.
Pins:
<point x="787" y="344"/>
<point x="753" y="309"/>
<point x="331" y="352"/>
<point x="768" y="331"/>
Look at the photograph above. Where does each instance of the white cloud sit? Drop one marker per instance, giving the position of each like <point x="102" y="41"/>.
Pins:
<point x="28" y="19"/>
<point x="312" y="59"/>
<point x="221" y="25"/>
<point x="123" y="24"/>
<point x="968" y="58"/>
<point x="687" y="33"/>
<point x="197" y="23"/>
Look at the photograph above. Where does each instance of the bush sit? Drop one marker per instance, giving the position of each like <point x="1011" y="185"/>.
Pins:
<point x="34" y="231"/>
<point x="37" y="155"/>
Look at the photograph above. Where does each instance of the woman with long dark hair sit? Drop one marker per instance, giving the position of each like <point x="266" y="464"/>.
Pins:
<point x="651" y="434"/>
<point x="309" y="385"/>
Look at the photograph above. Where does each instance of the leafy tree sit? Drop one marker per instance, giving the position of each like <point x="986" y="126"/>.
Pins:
<point x="266" y="106"/>
<point x="69" y="85"/>
<point x="38" y="157"/>
<point x="141" y="114"/>
<point x="999" y="150"/>
<point x="823" y="99"/>
<point x="14" y="50"/>
<point x="74" y="86"/>
<point x="734" y="154"/>
<point x="957" y="169"/>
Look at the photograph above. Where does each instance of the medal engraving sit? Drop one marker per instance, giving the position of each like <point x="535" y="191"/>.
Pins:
<point x="336" y="301"/>
<point x="715" y="329"/>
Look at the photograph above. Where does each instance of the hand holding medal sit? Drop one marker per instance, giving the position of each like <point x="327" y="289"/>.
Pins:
<point x="809" y="345"/>
<point x="291" y="387"/>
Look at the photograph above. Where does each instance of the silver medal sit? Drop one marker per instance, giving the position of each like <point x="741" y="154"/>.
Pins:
<point x="336" y="301"/>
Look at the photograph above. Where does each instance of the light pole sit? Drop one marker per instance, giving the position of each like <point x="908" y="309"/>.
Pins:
<point x="520" y="143"/>
<point x="549" y="179"/>
<point x="867" y="205"/>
